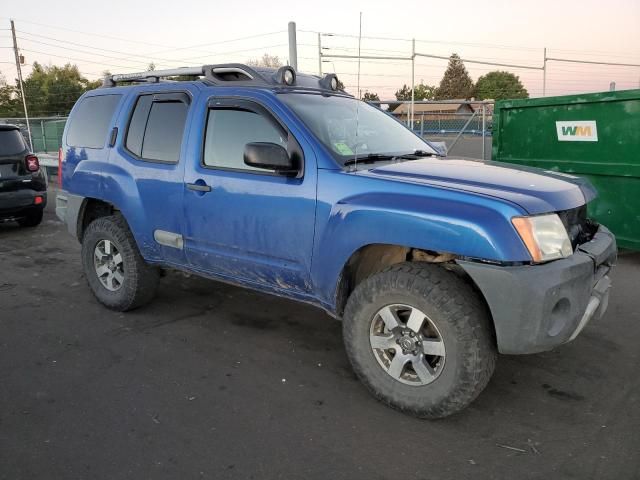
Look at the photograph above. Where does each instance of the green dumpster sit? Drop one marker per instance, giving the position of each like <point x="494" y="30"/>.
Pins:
<point x="593" y="135"/>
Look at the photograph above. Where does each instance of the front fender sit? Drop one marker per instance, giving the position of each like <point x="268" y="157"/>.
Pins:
<point x="453" y="222"/>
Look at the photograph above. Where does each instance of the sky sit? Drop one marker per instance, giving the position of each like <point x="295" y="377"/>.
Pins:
<point x="125" y="36"/>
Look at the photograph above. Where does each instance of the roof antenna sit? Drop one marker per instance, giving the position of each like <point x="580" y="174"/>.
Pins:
<point x="355" y="157"/>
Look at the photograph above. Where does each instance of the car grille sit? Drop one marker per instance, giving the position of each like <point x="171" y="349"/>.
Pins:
<point x="580" y="228"/>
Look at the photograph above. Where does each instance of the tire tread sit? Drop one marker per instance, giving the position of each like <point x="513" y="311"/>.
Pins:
<point x="141" y="279"/>
<point x="455" y="299"/>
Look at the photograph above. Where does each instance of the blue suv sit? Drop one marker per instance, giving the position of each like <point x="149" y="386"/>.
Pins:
<point x="283" y="183"/>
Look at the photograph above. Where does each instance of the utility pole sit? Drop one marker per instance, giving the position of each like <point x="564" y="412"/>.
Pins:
<point x="19" y="69"/>
<point x="293" y="46"/>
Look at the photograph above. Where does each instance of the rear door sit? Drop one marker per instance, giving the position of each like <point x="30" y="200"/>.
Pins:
<point x="152" y="153"/>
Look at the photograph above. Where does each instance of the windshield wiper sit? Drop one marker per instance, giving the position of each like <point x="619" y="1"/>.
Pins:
<point x="378" y="157"/>
<point x="423" y="153"/>
<point x="370" y="158"/>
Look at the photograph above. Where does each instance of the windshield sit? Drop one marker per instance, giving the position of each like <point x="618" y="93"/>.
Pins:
<point x="333" y="120"/>
<point x="11" y="142"/>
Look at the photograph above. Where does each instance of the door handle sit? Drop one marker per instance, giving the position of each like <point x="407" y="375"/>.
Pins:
<point x="199" y="187"/>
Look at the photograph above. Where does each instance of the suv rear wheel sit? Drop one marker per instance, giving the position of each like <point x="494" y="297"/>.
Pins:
<point x="420" y="339"/>
<point x="117" y="274"/>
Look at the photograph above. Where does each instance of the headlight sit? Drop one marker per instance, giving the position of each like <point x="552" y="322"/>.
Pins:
<point x="544" y="236"/>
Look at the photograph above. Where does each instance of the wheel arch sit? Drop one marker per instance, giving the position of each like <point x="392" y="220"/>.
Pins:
<point x="372" y="258"/>
<point x="91" y="209"/>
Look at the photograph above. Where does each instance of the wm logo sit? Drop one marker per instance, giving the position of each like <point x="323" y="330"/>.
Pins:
<point x="577" y="131"/>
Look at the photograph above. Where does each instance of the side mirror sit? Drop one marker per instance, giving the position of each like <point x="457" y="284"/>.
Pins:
<point x="270" y="156"/>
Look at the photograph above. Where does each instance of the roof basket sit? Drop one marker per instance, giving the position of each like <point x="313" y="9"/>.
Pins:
<point x="216" y="74"/>
<point x="231" y="74"/>
<point x="152" y="76"/>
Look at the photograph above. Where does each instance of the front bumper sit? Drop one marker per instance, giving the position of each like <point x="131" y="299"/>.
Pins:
<point x="538" y="307"/>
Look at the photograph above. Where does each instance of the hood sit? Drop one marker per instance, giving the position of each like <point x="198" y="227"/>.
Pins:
<point x="535" y="190"/>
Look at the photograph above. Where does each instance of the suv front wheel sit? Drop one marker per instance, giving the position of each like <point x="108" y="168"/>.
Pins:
<point x="419" y="337"/>
<point x="117" y="274"/>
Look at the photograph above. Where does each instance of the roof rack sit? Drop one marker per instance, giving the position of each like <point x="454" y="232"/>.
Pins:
<point x="235" y="74"/>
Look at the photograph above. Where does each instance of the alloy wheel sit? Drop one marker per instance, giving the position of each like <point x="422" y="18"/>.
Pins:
<point x="407" y="344"/>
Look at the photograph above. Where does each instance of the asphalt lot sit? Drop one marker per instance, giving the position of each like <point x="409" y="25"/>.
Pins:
<point x="211" y="381"/>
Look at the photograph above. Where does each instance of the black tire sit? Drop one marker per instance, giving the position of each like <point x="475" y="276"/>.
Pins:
<point x="140" y="279"/>
<point x="462" y="321"/>
<point x="33" y="219"/>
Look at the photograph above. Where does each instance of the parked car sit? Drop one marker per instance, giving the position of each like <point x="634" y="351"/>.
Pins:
<point x="282" y="183"/>
<point x="23" y="184"/>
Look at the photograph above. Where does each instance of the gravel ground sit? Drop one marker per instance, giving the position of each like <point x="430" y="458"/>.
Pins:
<point x="212" y="381"/>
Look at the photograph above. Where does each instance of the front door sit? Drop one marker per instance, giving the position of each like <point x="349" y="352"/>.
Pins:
<point x="247" y="224"/>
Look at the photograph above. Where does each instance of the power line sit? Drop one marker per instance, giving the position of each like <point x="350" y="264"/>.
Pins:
<point x="221" y="42"/>
<point x="135" y="61"/>
<point x="126" y="54"/>
<point x="76" y="50"/>
<point x="168" y="48"/>
<point x="236" y="51"/>
<point x="92" y="34"/>
<point x="76" y="59"/>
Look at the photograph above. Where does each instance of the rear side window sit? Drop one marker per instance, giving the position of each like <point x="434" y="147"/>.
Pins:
<point x="157" y="127"/>
<point x="90" y="122"/>
<point x="11" y="142"/>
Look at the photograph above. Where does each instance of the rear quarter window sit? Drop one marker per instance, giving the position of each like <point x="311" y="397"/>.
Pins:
<point x="157" y="127"/>
<point x="90" y="122"/>
<point x="11" y="142"/>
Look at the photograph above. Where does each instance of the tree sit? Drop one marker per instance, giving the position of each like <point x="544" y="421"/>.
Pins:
<point x="52" y="90"/>
<point x="456" y="82"/>
<point x="370" y="97"/>
<point x="268" y="61"/>
<point x="403" y="94"/>
<point x="422" y="92"/>
<point x="49" y="90"/>
<point x="499" y="85"/>
<point x="8" y="99"/>
<point x="151" y="67"/>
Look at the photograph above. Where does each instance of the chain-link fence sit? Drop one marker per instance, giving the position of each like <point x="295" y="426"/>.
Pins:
<point x="461" y="128"/>
<point x="46" y="132"/>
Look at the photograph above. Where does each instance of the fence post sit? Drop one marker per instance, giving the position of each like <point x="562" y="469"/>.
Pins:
<point x="544" y="74"/>
<point x="44" y="137"/>
<point x="413" y="77"/>
<point x="422" y="125"/>
<point x="320" y="54"/>
<point x="484" y="128"/>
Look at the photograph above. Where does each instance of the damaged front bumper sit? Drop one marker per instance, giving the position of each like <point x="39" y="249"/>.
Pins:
<point x="538" y="307"/>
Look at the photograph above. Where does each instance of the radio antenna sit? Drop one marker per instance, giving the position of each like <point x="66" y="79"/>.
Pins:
<point x="355" y="157"/>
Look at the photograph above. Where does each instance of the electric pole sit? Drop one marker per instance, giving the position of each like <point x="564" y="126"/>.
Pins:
<point x="19" y="69"/>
